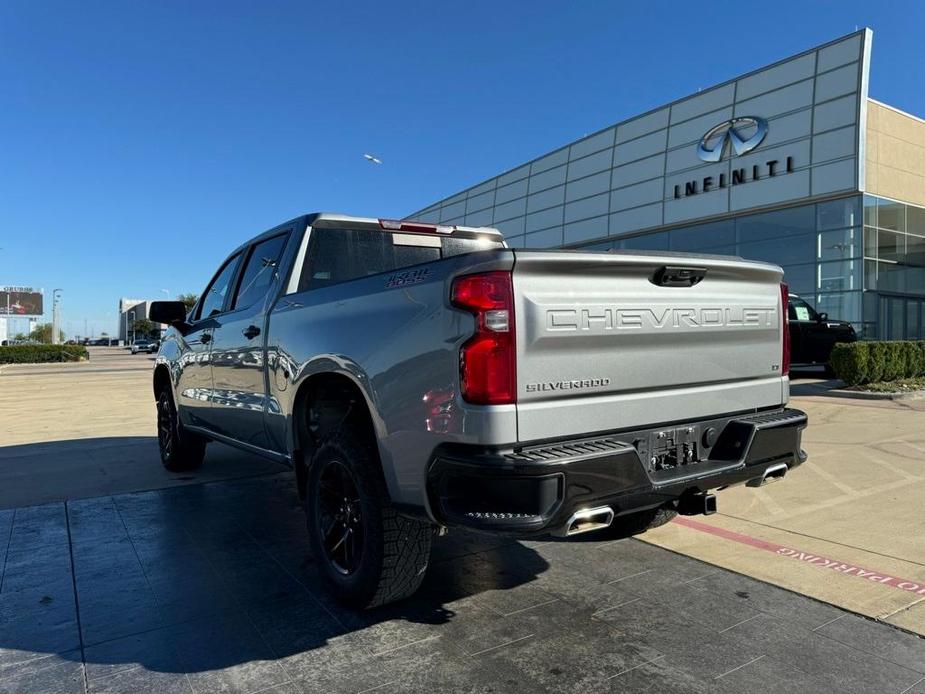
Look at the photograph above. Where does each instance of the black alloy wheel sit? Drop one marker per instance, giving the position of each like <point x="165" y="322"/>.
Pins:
<point x="166" y="429"/>
<point x="368" y="555"/>
<point x="340" y="518"/>
<point x="180" y="449"/>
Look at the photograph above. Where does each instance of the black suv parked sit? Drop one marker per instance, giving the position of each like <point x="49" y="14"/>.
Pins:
<point x="813" y="335"/>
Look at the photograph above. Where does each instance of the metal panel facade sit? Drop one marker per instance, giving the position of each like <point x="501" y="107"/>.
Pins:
<point x="648" y="172"/>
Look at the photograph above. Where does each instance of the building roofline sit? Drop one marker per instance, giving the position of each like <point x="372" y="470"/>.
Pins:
<point x="897" y="110"/>
<point x="860" y="32"/>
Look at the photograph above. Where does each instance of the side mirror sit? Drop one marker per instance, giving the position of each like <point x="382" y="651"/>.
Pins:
<point x="169" y="312"/>
<point x="823" y="317"/>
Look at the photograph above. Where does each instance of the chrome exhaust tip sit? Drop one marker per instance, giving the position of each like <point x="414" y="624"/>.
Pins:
<point x="589" y="519"/>
<point x="773" y="473"/>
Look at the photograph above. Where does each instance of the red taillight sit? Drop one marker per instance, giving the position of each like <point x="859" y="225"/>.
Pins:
<point x="488" y="360"/>
<point x="785" y="329"/>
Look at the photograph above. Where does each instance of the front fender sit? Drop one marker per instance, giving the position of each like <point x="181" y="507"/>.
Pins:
<point x="168" y="357"/>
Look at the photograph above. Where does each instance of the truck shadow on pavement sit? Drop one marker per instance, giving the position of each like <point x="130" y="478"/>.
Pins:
<point x="215" y="583"/>
<point x="37" y="473"/>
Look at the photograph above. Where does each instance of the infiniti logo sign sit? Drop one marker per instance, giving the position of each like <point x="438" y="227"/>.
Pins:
<point x="743" y="134"/>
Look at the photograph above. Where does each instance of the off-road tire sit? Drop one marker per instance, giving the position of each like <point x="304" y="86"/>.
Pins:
<point x="180" y="450"/>
<point x="395" y="550"/>
<point x="637" y="523"/>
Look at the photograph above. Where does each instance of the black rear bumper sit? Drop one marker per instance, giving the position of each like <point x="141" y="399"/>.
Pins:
<point x="536" y="489"/>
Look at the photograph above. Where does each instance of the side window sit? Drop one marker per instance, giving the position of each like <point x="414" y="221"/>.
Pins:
<point x="327" y="261"/>
<point x="800" y="310"/>
<point x="259" y="271"/>
<point x="339" y="255"/>
<point x="213" y="299"/>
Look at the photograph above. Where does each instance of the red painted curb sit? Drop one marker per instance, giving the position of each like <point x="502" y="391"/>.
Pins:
<point x="915" y="587"/>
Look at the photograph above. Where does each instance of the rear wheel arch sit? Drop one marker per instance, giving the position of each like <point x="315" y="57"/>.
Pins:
<point x="324" y="403"/>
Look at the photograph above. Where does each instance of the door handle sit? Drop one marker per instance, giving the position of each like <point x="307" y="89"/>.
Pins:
<point x="251" y="331"/>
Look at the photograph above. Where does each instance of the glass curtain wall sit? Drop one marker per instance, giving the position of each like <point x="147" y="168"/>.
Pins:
<point x="819" y="247"/>
<point x="894" y="269"/>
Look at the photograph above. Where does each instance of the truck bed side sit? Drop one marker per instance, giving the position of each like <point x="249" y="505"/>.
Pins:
<point x="399" y="343"/>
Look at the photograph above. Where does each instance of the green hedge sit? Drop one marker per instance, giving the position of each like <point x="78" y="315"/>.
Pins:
<point x="857" y="363"/>
<point x="35" y="354"/>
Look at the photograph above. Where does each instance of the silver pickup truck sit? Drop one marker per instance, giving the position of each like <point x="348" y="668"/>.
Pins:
<point x="421" y="377"/>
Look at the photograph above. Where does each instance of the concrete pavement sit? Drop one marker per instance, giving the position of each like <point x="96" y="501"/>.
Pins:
<point x="69" y="431"/>
<point x="82" y="430"/>
<point x="212" y="588"/>
<point x="839" y="527"/>
<point x="116" y="575"/>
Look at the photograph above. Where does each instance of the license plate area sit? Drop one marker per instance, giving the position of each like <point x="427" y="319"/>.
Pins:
<point x="670" y="449"/>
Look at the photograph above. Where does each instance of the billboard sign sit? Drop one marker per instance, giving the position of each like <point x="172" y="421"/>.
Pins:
<point x="21" y="301"/>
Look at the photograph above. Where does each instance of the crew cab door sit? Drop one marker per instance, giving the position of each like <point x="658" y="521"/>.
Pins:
<point x="239" y="393"/>
<point x="194" y="384"/>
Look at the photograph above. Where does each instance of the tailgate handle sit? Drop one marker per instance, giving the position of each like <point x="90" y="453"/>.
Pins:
<point x="677" y="276"/>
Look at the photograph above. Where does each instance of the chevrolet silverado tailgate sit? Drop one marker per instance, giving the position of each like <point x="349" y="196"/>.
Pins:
<point x="616" y="340"/>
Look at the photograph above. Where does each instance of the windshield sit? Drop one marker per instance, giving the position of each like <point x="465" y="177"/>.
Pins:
<point x="800" y="310"/>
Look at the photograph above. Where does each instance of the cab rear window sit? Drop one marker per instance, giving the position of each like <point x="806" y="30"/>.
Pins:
<point x="340" y="255"/>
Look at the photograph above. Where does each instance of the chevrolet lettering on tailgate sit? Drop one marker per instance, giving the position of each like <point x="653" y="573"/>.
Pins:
<point x="604" y="318"/>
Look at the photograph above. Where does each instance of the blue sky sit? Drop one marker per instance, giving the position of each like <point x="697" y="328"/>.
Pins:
<point x="140" y="142"/>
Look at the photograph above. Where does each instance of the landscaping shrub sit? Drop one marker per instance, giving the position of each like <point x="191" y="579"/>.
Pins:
<point x="849" y="361"/>
<point x="895" y="363"/>
<point x="876" y="364"/>
<point x="917" y="358"/>
<point x="908" y="359"/>
<point x="857" y="363"/>
<point x="36" y="354"/>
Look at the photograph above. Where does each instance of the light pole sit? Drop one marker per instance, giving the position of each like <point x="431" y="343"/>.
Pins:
<point x="55" y="315"/>
<point x="6" y="317"/>
<point x="133" y="325"/>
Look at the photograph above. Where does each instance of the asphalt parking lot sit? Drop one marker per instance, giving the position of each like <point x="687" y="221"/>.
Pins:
<point x="118" y="576"/>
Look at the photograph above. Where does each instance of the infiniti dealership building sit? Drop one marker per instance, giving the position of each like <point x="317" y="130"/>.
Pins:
<point x="792" y="164"/>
